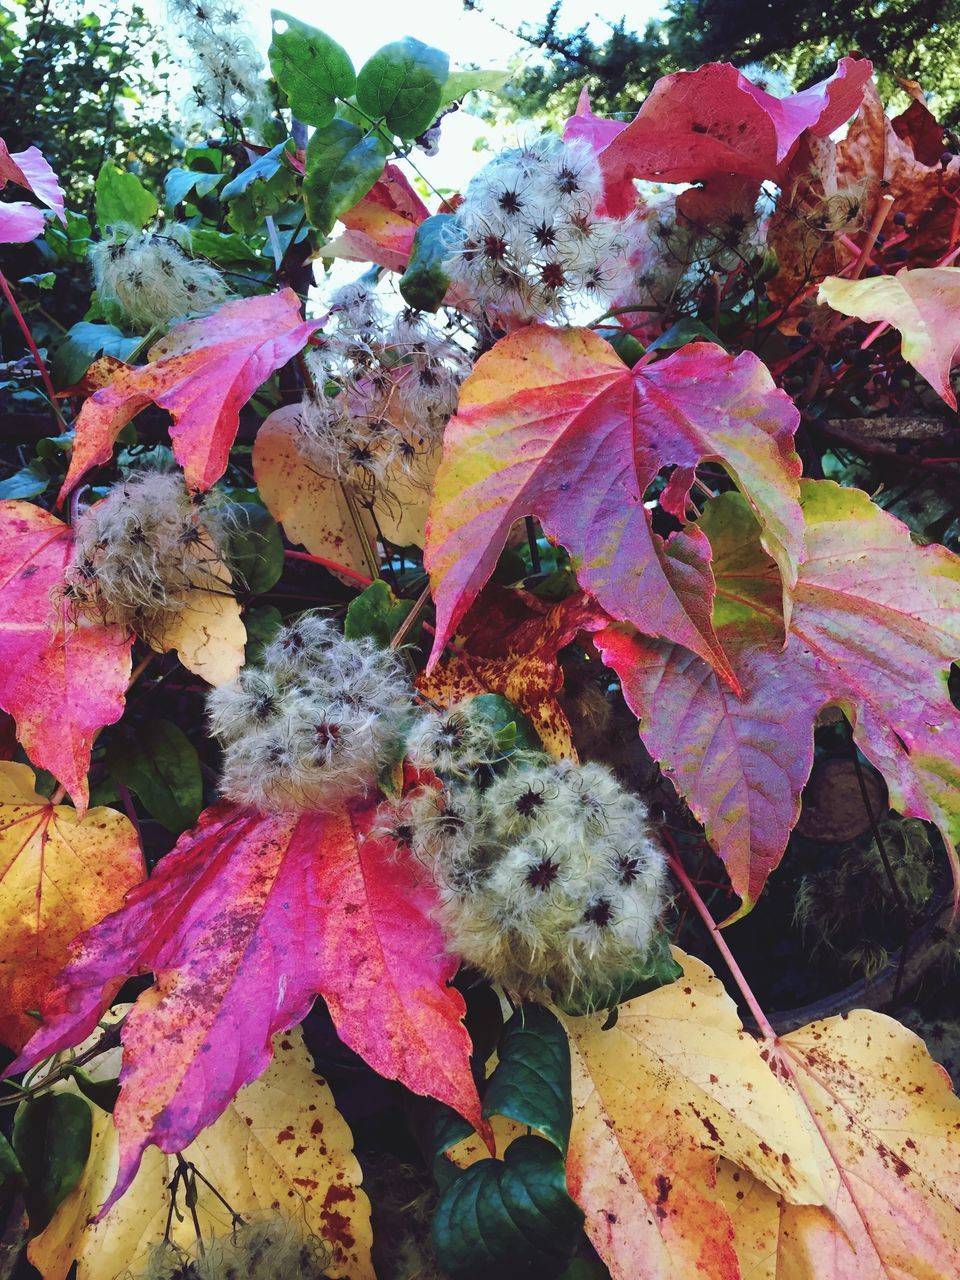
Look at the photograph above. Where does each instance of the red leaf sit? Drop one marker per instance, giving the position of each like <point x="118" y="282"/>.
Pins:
<point x="203" y="372"/>
<point x="712" y="123"/>
<point x="29" y="169"/>
<point x="552" y="424"/>
<point x="381" y="227"/>
<point x="620" y="198"/>
<point x="243" y="925"/>
<point x="61" y="680"/>
<point x="876" y="623"/>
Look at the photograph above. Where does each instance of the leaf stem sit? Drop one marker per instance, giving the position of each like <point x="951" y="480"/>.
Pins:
<point x="676" y="866"/>
<point x="406" y="626"/>
<point x="332" y="565"/>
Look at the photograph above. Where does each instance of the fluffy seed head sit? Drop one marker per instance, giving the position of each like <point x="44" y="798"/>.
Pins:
<point x="153" y="279"/>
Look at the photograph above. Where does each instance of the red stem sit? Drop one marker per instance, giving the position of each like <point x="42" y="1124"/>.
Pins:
<point x="330" y="564"/>
<point x="721" y="944"/>
<point x="28" y="338"/>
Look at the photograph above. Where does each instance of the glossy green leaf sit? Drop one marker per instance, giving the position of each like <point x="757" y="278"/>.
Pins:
<point x="687" y="329"/>
<point x="225" y="248"/>
<point x="180" y="182"/>
<point x="342" y="165"/>
<point x="260" y="190"/>
<point x="29" y="482"/>
<point x="531" y="1083"/>
<point x="262" y="623"/>
<point x="436" y="1128"/>
<point x="376" y="612"/>
<point x="509" y="1218"/>
<point x="51" y="1137"/>
<point x="513" y="730"/>
<point x="403" y="84"/>
<point x="424" y="283"/>
<point x="161" y="766"/>
<point x="254" y="548"/>
<point x="82" y="344"/>
<point x="102" y="1093"/>
<point x="11" y="1175"/>
<point x="656" y="969"/>
<point x="311" y="69"/>
<point x="122" y="198"/>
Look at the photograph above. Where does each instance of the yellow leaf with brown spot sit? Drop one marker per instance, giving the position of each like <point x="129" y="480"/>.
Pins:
<point x="656" y="1099"/>
<point x="402" y="501"/>
<point x="59" y="874"/>
<point x="280" y="1145"/>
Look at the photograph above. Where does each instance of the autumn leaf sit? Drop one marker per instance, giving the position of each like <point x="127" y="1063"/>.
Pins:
<point x="59" y="874"/>
<point x="620" y="197"/>
<point x="380" y="227"/>
<point x="708" y="124"/>
<point x="675" y="1083"/>
<point x="19" y="221"/>
<point x="923" y="305"/>
<point x="280" y="1142"/>
<point x="203" y="372"/>
<point x="874" y="615"/>
<point x="61" y="679"/>
<point x="551" y="423"/>
<point x="247" y="921"/>
<point x="508" y="643"/>
<point x="206" y="629"/>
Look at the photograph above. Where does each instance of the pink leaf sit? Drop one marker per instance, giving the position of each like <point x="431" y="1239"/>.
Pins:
<point x="29" y="169"/>
<point x="203" y="373"/>
<point x="620" y="198"/>
<point x="61" y="680"/>
<point x="247" y="921"/>
<point x="380" y="228"/>
<point x="20" y="222"/>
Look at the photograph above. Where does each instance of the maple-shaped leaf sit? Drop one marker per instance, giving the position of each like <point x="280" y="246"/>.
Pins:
<point x="875" y="626"/>
<point x="508" y="643"/>
<point x="702" y="125"/>
<point x="203" y="373"/>
<point x="59" y="874"/>
<point x="247" y="921"/>
<point x="551" y="423"/>
<point x="887" y="1139"/>
<point x="19" y="221"/>
<point x="656" y="1098"/>
<point x="61" y="679"/>
<point x="280" y="1144"/>
<point x="924" y="305"/>
<point x="380" y="227"/>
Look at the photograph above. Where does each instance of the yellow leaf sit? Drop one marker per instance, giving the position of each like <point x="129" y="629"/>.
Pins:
<point x="657" y="1098"/>
<point x="59" y="874"/>
<point x="281" y="1144"/>
<point x="403" y="499"/>
<point x="311" y="507"/>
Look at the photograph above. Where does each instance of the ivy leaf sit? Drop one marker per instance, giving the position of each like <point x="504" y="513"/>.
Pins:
<point x="281" y="1141"/>
<point x="244" y="923"/>
<point x="873" y="614"/>
<point x="403" y="84"/>
<point x="122" y="197"/>
<point x="531" y="1082"/>
<point x="51" y="1136"/>
<point x="62" y="680"/>
<point x="511" y="1218"/>
<point x="311" y="69"/>
<point x="59" y="874"/>
<point x="342" y="164"/>
<point x="424" y="283"/>
<point x="655" y="1099"/>
<point x="203" y="372"/>
<point x="922" y="304"/>
<point x="377" y="613"/>
<point x="380" y="228"/>
<point x="552" y="424"/>
<point x="159" y="764"/>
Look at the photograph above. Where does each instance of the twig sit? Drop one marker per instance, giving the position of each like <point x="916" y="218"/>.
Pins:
<point x="38" y="360"/>
<point x="407" y="625"/>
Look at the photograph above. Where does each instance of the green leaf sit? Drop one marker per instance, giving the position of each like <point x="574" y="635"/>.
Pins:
<point x="624" y="344"/>
<point x="160" y="765"/>
<point x="122" y="197"/>
<point x="509" y="1218"/>
<point x="656" y="969"/>
<point x="102" y="1093"/>
<point x="403" y="83"/>
<point x="425" y="282"/>
<point x="686" y="330"/>
<point x="262" y="623"/>
<point x="51" y="1136"/>
<point x="82" y="344"/>
<point x="180" y="182"/>
<point x="459" y="83"/>
<point x="11" y="1175"/>
<point x="311" y="69"/>
<point x="531" y="1083"/>
<point x="375" y="612"/>
<point x="228" y="249"/>
<point x="342" y="165"/>
<point x="254" y="549"/>
<point x="436" y="1128"/>
<point x="513" y="730"/>
<point x="262" y="169"/>
<point x="29" y="482"/>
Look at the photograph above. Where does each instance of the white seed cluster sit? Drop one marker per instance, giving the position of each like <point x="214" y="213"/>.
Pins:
<point x="139" y="552"/>
<point x="385" y="388"/>
<point x="528" y="244"/>
<point x="550" y="879"/>
<point x="227" y="84"/>
<point x="264" y="1249"/>
<point x="153" y="279"/>
<point x="314" y="724"/>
